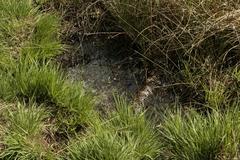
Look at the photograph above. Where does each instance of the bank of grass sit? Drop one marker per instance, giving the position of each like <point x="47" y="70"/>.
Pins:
<point x="29" y="40"/>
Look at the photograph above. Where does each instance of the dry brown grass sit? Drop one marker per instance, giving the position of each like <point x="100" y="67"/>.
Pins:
<point x="193" y="42"/>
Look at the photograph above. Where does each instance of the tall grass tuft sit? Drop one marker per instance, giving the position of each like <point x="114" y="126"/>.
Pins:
<point x="192" y="135"/>
<point x="24" y="136"/>
<point x="32" y="81"/>
<point x="44" y="83"/>
<point x="123" y="135"/>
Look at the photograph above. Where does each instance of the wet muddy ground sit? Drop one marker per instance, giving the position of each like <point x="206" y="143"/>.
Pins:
<point x="110" y="66"/>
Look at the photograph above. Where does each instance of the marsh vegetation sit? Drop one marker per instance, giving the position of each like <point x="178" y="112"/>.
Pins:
<point x="193" y="46"/>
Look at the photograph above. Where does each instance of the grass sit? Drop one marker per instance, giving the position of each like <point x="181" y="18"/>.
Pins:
<point x="194" y="43"/>
<point x="25" y="30"/>
<point x="44" y="115"/>
<point x="192" y="135"/>
<point x="33" y="81"/>
<point x="45" y="84"/>
<point x="51" y="111"/>
<point x="195" y="46"/>
<point x="123" y="135"/>
<point x="24" y="134"/>
<point x="29" y="39"/>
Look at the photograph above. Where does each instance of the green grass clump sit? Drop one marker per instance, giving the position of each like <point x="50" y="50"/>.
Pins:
<point x="24" y="135"/>
<point x="29" y="80"/>
<point x="44" y="42"/>
<point x="32" y="81"/>
<point x="45" y="84"/>
<point x="195" y="136"/>
<point x="16" y="9"/>
<point x="25" y="30"/>
<point x="123" y="135"/>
